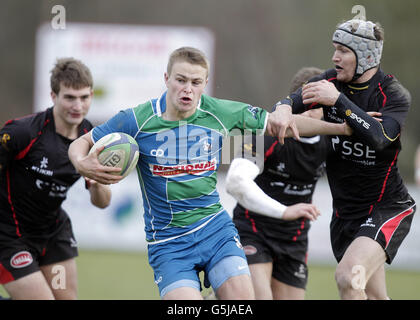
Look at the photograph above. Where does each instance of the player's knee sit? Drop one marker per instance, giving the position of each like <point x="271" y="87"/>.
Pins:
<point x="236" y="288"/>
<point x="348" y="280"/>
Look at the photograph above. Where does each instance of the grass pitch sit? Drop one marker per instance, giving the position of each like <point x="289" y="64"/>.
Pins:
<point x="109" y="275"/>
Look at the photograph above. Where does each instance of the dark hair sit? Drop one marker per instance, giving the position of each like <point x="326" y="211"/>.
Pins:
<point x="379" y="31"/>
<point x="302" y="76"/>
<point x="71" y="73"/>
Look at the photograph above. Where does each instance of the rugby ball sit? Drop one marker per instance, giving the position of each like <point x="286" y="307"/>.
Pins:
<point x="121" y="151"/>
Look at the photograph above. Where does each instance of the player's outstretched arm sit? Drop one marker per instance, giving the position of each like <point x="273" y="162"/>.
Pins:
<point x="87" y="164"/>
<point x="240" y="184"/>
<point x="281" y="123"/>
<point x="297" y="125"/>
<point x="309" y="127"/>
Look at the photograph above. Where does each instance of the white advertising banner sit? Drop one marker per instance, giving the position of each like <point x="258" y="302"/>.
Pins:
<point x="127" y="61"/>
<point x="127" y="64"/>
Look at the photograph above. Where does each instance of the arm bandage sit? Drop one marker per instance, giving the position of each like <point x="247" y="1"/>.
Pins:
<point x="240" y="184"/>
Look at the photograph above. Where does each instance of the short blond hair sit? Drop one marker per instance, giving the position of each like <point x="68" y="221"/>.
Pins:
<point x="190" y="55"/>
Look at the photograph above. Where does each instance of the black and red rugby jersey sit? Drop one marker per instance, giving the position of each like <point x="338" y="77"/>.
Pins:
<point x="290" y="174"/>
<point x="362" y="169"/>
<point x="292" y="170"/>
<point x="36" y="172"/>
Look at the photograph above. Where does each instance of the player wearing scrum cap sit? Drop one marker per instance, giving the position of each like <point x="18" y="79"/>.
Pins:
<point x="372" y="209"/>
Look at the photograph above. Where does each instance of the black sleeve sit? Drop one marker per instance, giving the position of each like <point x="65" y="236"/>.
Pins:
<point x="13" y="138"/>
<point x="295" y="99"/>
<point x="374" y="133"/>
<point x="5" y="155"/>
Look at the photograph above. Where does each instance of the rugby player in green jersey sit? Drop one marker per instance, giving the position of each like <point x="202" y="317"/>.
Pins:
<point x="180" y="138"/>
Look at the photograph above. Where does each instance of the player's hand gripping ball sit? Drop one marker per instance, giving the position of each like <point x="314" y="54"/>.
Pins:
<point x="121" y="151"/>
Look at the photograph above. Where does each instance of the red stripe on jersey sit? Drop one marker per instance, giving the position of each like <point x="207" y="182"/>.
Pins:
<point x="5" y="275"/>
<point x="386" y="177"/>
<point x="389" y="227"/>
<point x="9" y="198"/>
<point x="23" y="153"/>
<point x="270" y="150"/>
<point x="384" y="95"/>
<point x="254" y="228"/>
<point x="384" y="184"/>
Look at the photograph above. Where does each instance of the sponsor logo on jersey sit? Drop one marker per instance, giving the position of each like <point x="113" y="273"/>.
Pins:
<point x="21" y="259"/>
<point x="301" y="273"/>
<point x="44" y="163"/>
<point x="4" y="139"/>
<point x="368" y="223"/>
<point x="157" y="152"/>
<point x="55" y="190"/>
<point x="354" y="151"/>
<point x="250" y="250"/>
<point x="354" y="116"/>
<point x="73" y="242"/>
<point x="206" y="146"/>
<point x="183" y="169"/>
<point x="335" y="141"/>
<point x="253" y="110"/>
<point x="298" y="190"/>
<point x="42" y="169"/>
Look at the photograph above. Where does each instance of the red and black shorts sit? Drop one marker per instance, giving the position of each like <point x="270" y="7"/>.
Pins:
<point x="283" y="243"/>
<point x="21" y="256"/>
<point x="388" y="224"/>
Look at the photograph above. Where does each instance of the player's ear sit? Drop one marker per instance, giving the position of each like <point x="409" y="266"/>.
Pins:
<point x="166" y="78"/>
<point x="53" y="96"/>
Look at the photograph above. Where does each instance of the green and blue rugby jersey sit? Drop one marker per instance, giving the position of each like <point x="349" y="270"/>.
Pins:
<point x="178" y="161"/>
